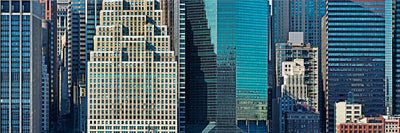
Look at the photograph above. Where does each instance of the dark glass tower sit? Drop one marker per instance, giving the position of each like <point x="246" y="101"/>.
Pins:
<point x="49" y="10"/>
<point x="394" y="104"/>
<point x="83" y="16"/>
<point x="227" y="54"/>
<point x="354" y="44"/>
<point x="21" y="62"/>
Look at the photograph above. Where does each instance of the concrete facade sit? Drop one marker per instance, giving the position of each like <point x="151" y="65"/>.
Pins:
<point x="132" y="72"/>
<point x="296" y="49"/>
<point x="392" y="124"/>
<point x="297" y="80"/>
<point x="347" y="112"/>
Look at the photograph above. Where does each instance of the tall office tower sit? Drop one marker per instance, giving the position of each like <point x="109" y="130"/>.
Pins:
<point x="174" y="11"/>
<point x="293" y="74"/>
<point x="227" y="65"/>
<point x="76" y="44"/>
<point x="297" y="16"/>
<point x="45" y="75"/>
<point x="62" y="23"/>
<point x="83" y="16"/>
<point x="45" y="97"/>
<point x="62" y="8"/>
<point x="49" y="13"/>
<point x="296" y="49"/>
<point x="201" y="68"/>
<point x="354" y="44"/>
<point x="75" y="63"/>
<point x="297" y="81"/>
<point x="393" y="81"/>
<point x="132" y="72"/>
<point x="92" y="15"/>
<point x="21" y="62"/>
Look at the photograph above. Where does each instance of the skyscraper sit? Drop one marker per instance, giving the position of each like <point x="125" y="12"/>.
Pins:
<point x="49" y="13"/>
<point x="62" y="23"/>
<point x="82" y="18"/>
<point x="392" y="55"/>
<point x="175" y="20"/>
<point x="226" y="90"/>
<point x="62" y="8"/>
<point x="297" y="81"/>
<point x="21" y="62"/>
<point x="296" y="49"/>
<point x="76" y="44"/>
<point x="46" y="30"/>
<point x="297" y="16"/>
<point x="132" y="71"/>
<point x="75" y="47"/>
<point x="45" y="98"/>
<point x="355" y="47"/>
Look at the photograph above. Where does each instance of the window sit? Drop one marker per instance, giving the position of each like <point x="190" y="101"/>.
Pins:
<point x="15" y="6"/>
<point x="5" y="6"/>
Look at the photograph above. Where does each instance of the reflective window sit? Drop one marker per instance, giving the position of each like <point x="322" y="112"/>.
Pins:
<point x="26" y="6"/>
<point x="5" y="6"/>
<point x="15" y="6"/>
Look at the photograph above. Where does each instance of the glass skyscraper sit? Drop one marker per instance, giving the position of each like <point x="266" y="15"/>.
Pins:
<point x="227" y="47"/>
<point x="21" y="58"/>
<point x="354" y="44"/>
<point x="392" y="32"/>
<point x="297" y="16"/>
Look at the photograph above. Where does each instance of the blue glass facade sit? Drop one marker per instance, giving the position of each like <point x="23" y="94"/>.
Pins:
<point x="297" y="16"/>
<point x="92" y="15"/>
<point x="356" y="55"/>
<point x="251" y="59"/>
<point x="20" y="57"/>
<point x="395" y="95"/>
<point x="227" y="43"/>
<point x="389" y="57"/>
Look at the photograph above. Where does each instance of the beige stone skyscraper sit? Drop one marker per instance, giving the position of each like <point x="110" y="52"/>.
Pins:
<point x="132" y="72"/>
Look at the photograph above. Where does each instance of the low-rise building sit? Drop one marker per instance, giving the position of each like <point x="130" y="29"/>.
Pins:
<point x="347" y="112"/>
<point x="392" y="124"/>
<point x="302" y="122"/>
<point x="365" y="125"/>
<point x="383" y="124"/>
